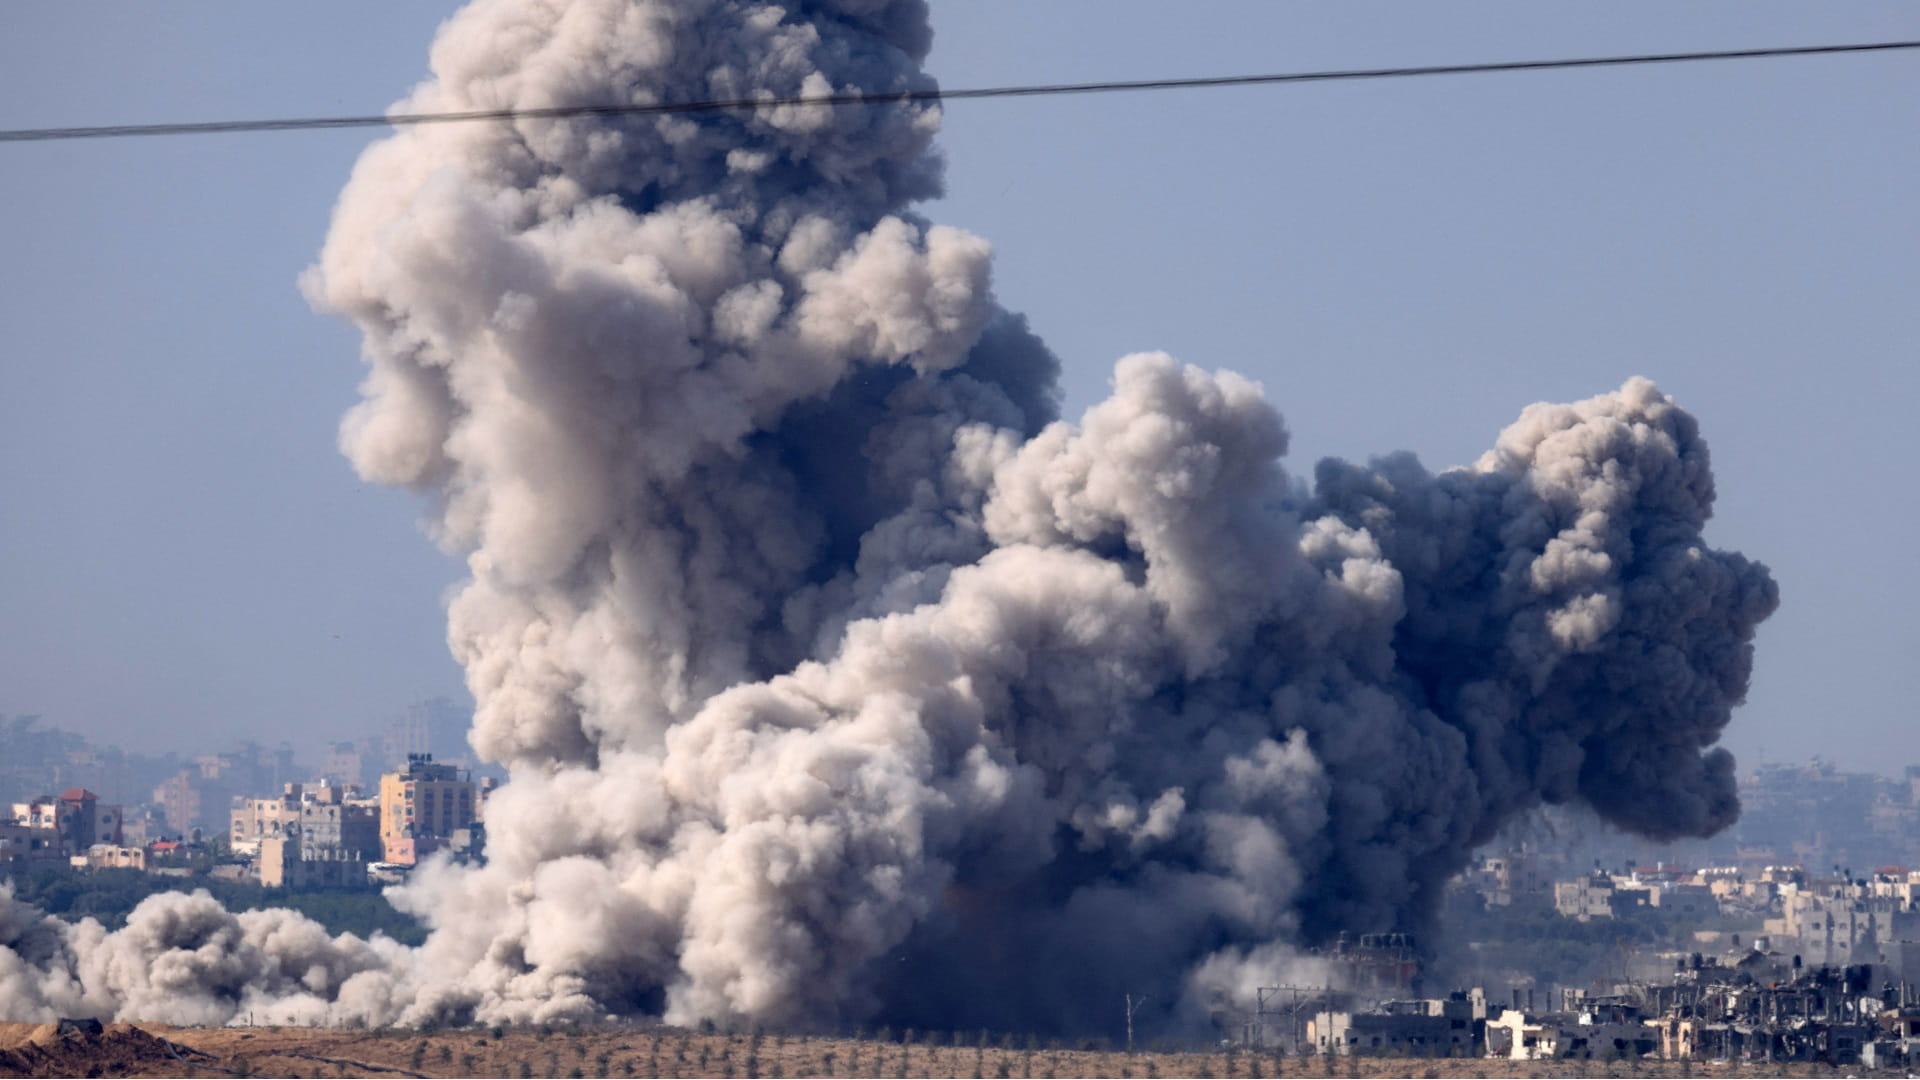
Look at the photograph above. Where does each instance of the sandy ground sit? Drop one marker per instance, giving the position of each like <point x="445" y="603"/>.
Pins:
<point x="154" y="1050"/>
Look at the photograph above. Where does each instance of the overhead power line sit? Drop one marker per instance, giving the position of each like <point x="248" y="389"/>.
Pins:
<point x="306" y="123"/>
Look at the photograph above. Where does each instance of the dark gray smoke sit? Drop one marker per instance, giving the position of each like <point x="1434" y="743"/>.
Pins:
<point x="837" y="678"/>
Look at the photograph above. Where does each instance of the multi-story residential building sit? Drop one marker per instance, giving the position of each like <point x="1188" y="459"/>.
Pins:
<point x="1843" y="925"/>
<point x="1598" y="895"/>
<point x="67" y="824"/>
<point x="21" y="845"/>
<point x="422" y="807"/>
<point x="333" y="821"/>
<point x="1686" y="898"/>
<point x="1443" y="1027"/>
<point x="256" y="819"/>
<point x="259" y="819"/>
<point x="327" y="840"/>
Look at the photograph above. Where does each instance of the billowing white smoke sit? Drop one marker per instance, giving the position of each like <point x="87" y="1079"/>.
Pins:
<point x="836" y="678"/>
<point x="184" y="959"/>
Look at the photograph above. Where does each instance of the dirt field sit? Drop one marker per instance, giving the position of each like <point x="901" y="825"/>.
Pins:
<point x="152" y="1050"/>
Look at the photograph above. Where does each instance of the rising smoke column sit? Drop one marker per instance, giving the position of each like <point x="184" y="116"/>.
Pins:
<point x="837" y="678"/>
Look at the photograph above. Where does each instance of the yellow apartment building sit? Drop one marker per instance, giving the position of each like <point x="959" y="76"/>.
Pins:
<point x="421" y="807"/>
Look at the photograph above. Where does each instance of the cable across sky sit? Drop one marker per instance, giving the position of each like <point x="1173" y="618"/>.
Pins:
<point x="308" y="123"/>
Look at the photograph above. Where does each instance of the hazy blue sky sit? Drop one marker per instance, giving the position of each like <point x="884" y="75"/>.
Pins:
<point x="184" y="557"/>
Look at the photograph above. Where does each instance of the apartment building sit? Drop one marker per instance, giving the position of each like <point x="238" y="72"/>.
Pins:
<point x="422" y="807"/>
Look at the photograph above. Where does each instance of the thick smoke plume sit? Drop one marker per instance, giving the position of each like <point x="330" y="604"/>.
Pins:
<point x="837" y="678"/>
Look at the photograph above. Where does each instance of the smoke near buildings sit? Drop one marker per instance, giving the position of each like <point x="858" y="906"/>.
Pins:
<point x="839" y="679"/>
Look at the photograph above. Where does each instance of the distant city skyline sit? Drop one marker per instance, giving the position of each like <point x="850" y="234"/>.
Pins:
<point x="186" y="559"/>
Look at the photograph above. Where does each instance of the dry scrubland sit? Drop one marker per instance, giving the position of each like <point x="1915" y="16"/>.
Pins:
<point x="154" y="1050"/>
